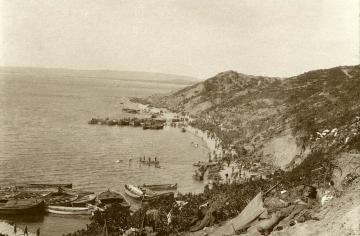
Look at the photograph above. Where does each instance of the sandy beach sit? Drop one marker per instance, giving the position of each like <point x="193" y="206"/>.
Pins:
<point x="211" y="143"/>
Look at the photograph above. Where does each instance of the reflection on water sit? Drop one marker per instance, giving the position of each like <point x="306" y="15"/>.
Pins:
<point x="45" y="138"/>
<point x="24" y="218"/>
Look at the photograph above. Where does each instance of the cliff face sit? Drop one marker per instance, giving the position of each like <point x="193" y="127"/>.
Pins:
<point x="273" y="119"/>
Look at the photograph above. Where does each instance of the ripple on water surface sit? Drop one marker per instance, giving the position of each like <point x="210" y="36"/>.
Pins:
<point x="45" y="138"/>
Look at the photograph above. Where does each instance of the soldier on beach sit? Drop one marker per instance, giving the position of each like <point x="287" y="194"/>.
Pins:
<point x="26" y="231"/>
<point x="38" y="232"/>
<point x="15" y="228"/>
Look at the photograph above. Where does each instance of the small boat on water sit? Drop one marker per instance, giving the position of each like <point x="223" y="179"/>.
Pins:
<point x="153" y="126"/>
<point x="160" y="187"/>
<point x="63" y="210"/>
<point x="40" y="185"/>
<point x="134" y="192"/>
<point x="74" y="191"/>
<point x="40" y="188"/>
<point x="31" y="206"/>
<point x="109" y="197"/>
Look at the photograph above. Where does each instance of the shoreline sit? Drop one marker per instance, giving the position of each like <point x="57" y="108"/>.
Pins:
<point x="231" y="203"/>
<point x="8" y="229"/>
<point x="231" y="169"/>
<point x="211" y="143"/>
<point x="229" y="173"/>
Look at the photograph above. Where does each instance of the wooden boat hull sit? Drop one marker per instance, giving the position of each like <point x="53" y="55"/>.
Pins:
<point x="137" y="193"/>
<point x="160" y="187"/>
<point x="158" y="126"/>
<point x="69" y="210"/>
<point x="60" y="199"/>
<point x="35" y="208"/>
<point x="160" y="197"/>
<point x="109" y="197"/>
<point x="83" y="200"/>
<point x="130" y="194"/>
<point x="40" y="185"/>
<point x="133" y="191"/>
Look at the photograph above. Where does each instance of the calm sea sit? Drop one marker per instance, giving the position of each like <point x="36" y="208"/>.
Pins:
<point x="44" y="137"/>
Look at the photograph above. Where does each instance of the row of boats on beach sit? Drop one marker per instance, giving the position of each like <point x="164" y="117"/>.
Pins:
<point x="145" y="123"/>
<point x="36" y="199"/>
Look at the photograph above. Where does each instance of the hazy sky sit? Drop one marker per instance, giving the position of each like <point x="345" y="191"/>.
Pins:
<point x="191" y="37"/>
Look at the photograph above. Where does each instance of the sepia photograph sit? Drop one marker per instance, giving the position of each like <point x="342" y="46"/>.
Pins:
<point x="179" y="117"/>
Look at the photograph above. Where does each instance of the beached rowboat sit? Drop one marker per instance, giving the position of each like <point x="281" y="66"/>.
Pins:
<point x="62" y="210"/>
<point x="60" y="199"/>
<point x="110" y="197"/>
<point x="160" y="187"/>
<point x="146" y="194"/>
<point x="83" y="200"/>
<point x="134" y="192"/>
<point x="168" y="196"/>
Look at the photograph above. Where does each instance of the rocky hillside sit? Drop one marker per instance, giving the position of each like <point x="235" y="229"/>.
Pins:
<point x="275" y="119"/>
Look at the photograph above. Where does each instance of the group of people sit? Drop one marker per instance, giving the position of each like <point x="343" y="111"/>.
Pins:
<point x="26" y="232"/>
<point x="235" y="174"/>
<point x="143" y="159"/>
<point x="156" y="161"/>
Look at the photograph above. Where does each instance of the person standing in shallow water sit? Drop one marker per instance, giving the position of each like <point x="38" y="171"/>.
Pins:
<point x="15" y="228"/>
<point x="38" y="232"/>
<point x="26" y="231"/>
<point x="226" y="176"/>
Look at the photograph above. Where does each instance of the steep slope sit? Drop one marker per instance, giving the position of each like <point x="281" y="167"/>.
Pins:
<point x="271" y="119"/>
